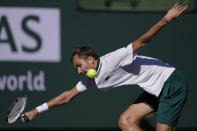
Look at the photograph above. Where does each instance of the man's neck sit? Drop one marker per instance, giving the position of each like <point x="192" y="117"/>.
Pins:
<point x="96" y="64"/>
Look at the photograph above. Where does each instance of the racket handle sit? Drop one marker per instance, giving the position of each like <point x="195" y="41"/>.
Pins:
<point x="24" y="117"/>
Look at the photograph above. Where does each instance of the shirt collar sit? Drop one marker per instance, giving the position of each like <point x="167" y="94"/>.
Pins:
<point x="98" y="67"/>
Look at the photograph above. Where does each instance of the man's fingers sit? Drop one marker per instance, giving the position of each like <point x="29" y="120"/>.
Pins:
<point x="25" y="118"/>
<point x="22" y="119"/>
<point x="175" y="5"/>
<point x="184" y="8"/>
<point x="179" y="7"/>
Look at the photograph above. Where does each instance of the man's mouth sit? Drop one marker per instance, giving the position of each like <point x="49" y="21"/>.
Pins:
<point x="84" y="72"/>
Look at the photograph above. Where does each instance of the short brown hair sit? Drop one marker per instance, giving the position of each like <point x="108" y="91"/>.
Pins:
<point x="84" y="52"/>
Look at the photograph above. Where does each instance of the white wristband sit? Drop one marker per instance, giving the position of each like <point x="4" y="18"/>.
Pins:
<point x="42" y="108"/>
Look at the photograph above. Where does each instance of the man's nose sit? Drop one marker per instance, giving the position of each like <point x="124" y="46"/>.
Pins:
<point x="79" y="70"/>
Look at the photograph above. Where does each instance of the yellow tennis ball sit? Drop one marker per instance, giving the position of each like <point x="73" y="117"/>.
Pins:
<point x="91" y="73"/>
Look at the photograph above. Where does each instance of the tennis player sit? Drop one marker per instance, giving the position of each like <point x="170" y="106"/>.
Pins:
<point x="165" y="87"/>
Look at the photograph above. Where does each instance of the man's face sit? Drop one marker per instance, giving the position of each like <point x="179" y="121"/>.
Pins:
<point x="83" y="65"/>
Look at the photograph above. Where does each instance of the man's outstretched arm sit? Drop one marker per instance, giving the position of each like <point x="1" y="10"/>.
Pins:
<point x="61" y="99"/>
<point x="173" y="13"/>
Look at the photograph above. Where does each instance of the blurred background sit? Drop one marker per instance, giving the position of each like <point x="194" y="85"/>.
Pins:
<point x="36" y="40"/>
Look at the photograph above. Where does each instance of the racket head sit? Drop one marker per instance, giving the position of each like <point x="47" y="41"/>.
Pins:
<point x="16" y="109"/>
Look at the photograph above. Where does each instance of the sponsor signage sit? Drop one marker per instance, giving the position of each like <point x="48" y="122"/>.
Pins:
<point x="30" y="34"/>
<point x="28" y="81"/>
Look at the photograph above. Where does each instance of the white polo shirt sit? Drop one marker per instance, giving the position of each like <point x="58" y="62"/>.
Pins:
<point x="122" y="67"/>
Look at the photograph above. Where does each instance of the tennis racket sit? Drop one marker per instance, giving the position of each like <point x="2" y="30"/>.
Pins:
<point x="16" y="110"/>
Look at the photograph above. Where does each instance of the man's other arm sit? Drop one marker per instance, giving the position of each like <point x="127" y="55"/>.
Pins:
<point x="173" y="13"/>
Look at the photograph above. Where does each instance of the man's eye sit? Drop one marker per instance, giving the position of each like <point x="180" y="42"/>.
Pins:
<point x="78" y="65"/>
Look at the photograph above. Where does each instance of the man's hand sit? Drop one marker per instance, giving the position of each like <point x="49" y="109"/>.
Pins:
<point x="31" y="114"/>
<point x="175" y="12"/>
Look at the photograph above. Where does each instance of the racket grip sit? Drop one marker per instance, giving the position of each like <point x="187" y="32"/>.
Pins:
<point x="25" y="117"/>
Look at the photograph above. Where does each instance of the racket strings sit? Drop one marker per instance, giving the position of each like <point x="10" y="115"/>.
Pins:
<point x="17" y="109"/>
